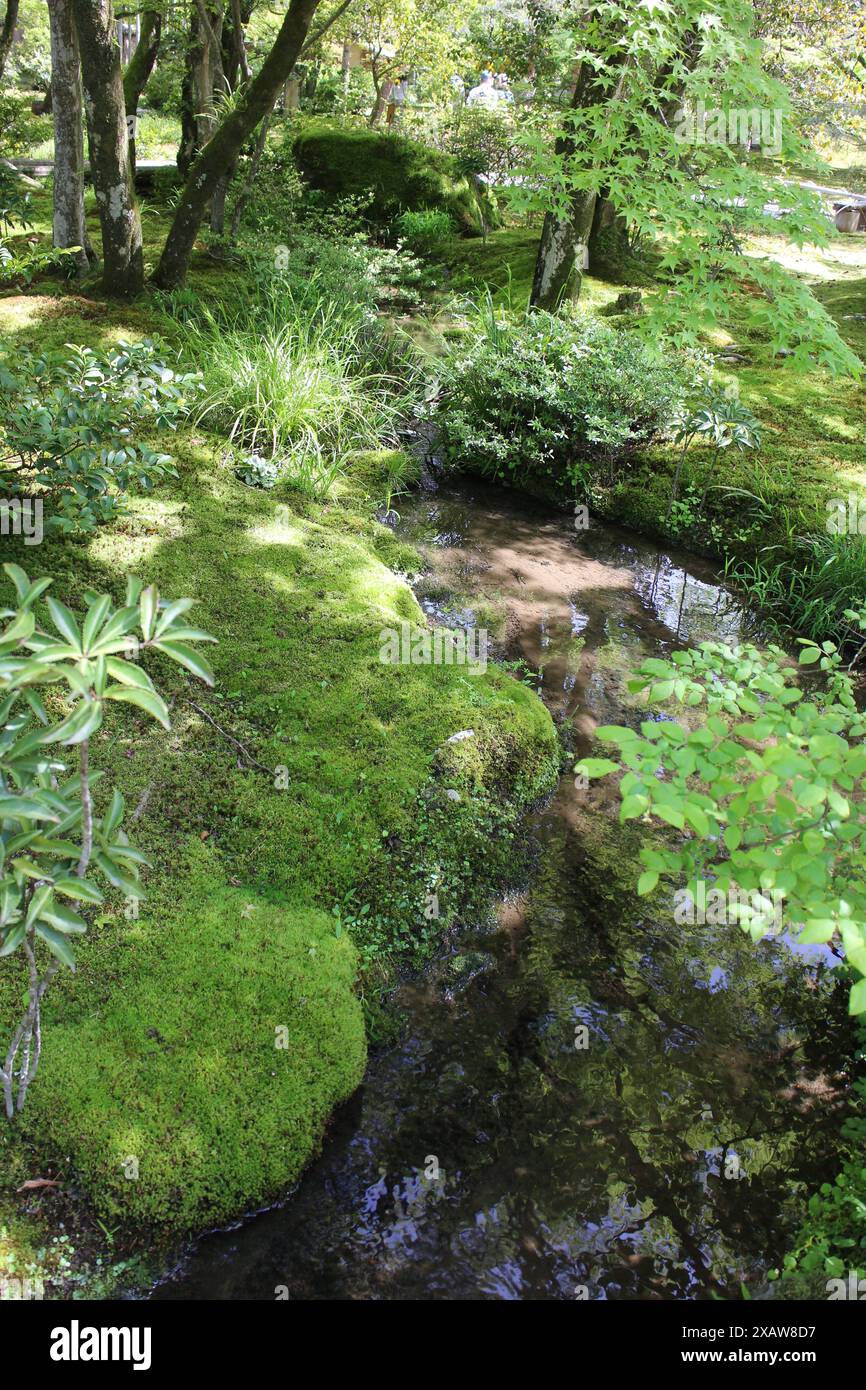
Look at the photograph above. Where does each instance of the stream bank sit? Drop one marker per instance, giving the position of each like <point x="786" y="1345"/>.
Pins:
<point x="586" y="1101"/>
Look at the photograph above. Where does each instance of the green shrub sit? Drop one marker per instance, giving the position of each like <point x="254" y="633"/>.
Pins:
<point x="538" y="400"/>
<point x="66" y="422"/>
<point x="394" y="173"/>
<point x="425" y="231"/>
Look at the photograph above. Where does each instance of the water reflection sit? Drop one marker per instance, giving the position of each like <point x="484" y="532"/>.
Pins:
<point x="590" y="1101"/>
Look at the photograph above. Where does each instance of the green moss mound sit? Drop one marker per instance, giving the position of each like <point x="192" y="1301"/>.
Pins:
<point x="165" y="1076"/>
<point x="400" y="175"/>
<point x="273" y="900"/>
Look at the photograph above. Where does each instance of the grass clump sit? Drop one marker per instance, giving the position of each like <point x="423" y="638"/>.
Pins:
<point x="308" y="381"/>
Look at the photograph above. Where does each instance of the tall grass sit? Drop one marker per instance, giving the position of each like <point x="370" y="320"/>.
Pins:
<point x="307" y="380"/>
<point x="807" y="587"/>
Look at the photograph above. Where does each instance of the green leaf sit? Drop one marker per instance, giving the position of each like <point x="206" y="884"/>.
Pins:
<point x="84" y="721"/>
<point x="128" y="673"/>
<point x="186" y="656"/>
<point x="78" y="888"/>
<point x="57" y="945"/>
<point x="22" y="808"/>
<point x="596" y="767"/>
<point x="65" y="623"/>
<point x="148" y="603"/>
<point x="647" y="882"/>
<point x="96" y="615"/>
<point x="13" y="936"/>
<point x="21" y="629"/>
<point x="857" y="1001"/>
<point x="147" y="700"/>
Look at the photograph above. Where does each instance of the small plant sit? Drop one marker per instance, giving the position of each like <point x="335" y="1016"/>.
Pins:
<point x="54" y="847"/>
<point x="256" y="471"/>
<point x="425" y="232"/>
<point x="720" y="421"/>
<point x="66" y="427"/>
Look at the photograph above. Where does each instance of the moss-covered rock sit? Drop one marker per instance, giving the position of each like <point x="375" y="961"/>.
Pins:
<point x="273" y="900"/>
<point x="397" y="173"/>
<point x="189" y="1071"/>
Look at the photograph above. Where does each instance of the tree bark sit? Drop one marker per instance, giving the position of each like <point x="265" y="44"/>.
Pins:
<point x="563" y="254"/>
<point x="138" y="71"/>
<point x="227" y="141"/>
<point x="69" y="227"/>
<point x="203" y="76"/>
<point x="123" y="261"/>
<point x="608" y="246"/>
<point x="7" y="33"/>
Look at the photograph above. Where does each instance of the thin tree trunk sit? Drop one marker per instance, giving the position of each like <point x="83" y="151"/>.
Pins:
<point x="203" y="78"/>
<point x="138" y="71"/>
<point x="123" y="261"/>
<point x="228" y="140"/>
<point x="563" y="254"/>
<point x="235" y="69"/>
<point x="69" y="227"/>
<point x="249" y="182"/>
<point x="7" y="32"/>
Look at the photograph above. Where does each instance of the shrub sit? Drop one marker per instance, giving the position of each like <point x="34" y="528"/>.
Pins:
<point x="425" y="231"/>
<point x="394" y="173"/>
<point x="537" y="400"/>
<point x="66" y="423"/>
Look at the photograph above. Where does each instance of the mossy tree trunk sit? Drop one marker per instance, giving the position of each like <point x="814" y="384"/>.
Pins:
<point x="7" y="32"/>
<point x="563" y="254"/>
<point x="68" y="223"/>
<point x="228" y="140"/>
<point x="123" y="262"/>
<point x="138" y="71"/>
<point x="608" y="247"/>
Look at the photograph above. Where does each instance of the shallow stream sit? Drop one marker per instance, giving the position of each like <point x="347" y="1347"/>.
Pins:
<point x="587" y="1101"/>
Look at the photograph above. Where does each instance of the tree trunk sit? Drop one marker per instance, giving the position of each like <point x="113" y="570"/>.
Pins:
<point x="235" y="69"/>
<point x="249" y="182"/>
<point x="228" y="140"/>
<point x="563" y="254"/>
<point x="608" y="240"/>
<point x="7" y="33"/>
<point x="123" y="262"/>
<point x="202" y="72"/>
<point x="69" y="228"/>
<point x="235" y="64"/>
<point x="138" y="71"/>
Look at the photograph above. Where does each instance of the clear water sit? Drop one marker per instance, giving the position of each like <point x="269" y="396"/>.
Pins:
<point x="488" y="1157"/>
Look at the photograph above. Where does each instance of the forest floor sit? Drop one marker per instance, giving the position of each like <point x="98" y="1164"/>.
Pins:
<point x="162" y="1048"/>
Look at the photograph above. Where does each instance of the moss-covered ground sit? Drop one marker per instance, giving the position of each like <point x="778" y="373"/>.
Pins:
<point x="282" y="896"/>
